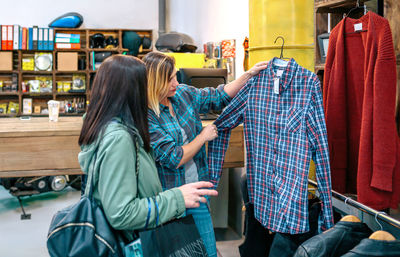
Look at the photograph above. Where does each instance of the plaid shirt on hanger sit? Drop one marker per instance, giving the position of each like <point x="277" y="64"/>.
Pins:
<point x="165" y="132"/>
<point x="284" y="129"/>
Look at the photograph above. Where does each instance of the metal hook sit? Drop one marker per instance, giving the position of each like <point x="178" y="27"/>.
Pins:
<point x="345" y="201"/>
<point x="376" y="218"/>
<point x="283" y="43"/>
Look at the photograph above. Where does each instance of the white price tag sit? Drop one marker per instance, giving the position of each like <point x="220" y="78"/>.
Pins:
<point x="279" y="73"/>
<point x="358" y="27"/>
<point x="276" y="86"/>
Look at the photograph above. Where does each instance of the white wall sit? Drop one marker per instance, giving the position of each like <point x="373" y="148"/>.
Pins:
<point x="136" y="14"/>
<point x="211" y="20"/>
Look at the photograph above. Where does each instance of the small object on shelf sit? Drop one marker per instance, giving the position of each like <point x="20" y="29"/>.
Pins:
<point x="34" y="86"/>
<point x="46" y="84"/>
<point x="28" y="64"/>
<point x="14" y="83"/>
<point x="98" y="40"/>
<point x="13" y="108"/>
<point x="25" y="118"/>
<point x="37" y="109"/>
<point x="323" y="41"/>
<point x="43" y="61"/>
<point x="132" y="41"/>
<point x="175" y="42"/>
<point x="3" y="108"/>
<point x="68" y="20"/>
<point x="27" y="106"/>
<point x="146" y="42"/>
<point x="66" y="86"/>
<point x="1" y="86"/>
<point x="78" y="82"/>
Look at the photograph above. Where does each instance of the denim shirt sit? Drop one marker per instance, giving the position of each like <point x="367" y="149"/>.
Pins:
<point x="165" y="131"/>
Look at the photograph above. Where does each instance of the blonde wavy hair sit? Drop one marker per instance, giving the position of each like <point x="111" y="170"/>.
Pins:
<point x="160" y="68"/>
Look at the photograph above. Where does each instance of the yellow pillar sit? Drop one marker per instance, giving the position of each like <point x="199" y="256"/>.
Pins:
<point x="291" y="19"/>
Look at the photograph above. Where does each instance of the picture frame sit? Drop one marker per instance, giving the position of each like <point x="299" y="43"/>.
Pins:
<point x="323" y="41"/>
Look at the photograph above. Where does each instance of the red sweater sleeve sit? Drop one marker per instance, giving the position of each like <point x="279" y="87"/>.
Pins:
<point x="384" y="127"/>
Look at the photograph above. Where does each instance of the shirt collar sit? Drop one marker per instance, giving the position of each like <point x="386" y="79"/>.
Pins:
<point x="174" y="102"/>
<point x="287" y="74"/>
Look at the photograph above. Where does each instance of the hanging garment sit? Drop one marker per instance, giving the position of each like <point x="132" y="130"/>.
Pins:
<point x="375" y="248"/>
<point x="284" y="128"/>
<point x="336" y="241"/>
<point x="285" y="245"/>
<point x="359" y="102"/>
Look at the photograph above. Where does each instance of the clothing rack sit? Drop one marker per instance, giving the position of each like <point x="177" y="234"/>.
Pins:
<point x="377" y="214"/>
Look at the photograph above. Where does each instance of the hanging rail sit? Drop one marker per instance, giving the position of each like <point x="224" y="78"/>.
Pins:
<point x="362" y="207"/>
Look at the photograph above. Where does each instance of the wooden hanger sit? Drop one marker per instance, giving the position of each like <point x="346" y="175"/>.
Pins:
<point x="350" y="218"/>
<point x="382" y="235"/>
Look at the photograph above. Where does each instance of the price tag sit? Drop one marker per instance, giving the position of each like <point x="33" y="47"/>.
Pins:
<point x="358" y="27"/>
<point x="276" y="86"/>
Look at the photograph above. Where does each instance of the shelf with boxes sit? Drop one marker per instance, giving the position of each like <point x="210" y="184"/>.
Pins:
<point x="30" y="77"/>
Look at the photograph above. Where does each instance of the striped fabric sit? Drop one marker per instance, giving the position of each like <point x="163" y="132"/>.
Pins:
<point x="284" y="128"/>
<point x="165" y="132"/>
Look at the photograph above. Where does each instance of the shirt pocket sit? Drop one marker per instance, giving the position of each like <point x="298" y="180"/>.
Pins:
<point x="294" y="120"/>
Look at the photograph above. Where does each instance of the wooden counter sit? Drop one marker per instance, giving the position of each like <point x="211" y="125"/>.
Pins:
<point x="38" y="147"/>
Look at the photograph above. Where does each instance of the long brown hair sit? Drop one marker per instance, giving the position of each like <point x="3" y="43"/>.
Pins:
<point x="160" y="68"/>
<point x="119" y="90"/>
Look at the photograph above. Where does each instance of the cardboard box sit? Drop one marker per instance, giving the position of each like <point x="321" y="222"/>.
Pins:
<point x="6" y="61"/>
<point x="67" y="61"/>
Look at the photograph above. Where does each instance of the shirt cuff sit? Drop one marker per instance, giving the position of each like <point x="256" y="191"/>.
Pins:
<point x="226" y="99"/>
<point x="180" y="202"/>
<point x="177" y="157"/>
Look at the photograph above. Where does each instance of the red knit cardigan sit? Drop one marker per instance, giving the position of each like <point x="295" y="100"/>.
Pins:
<point x="359" y="93"/>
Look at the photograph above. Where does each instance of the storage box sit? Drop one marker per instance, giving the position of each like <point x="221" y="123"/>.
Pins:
<point x="6" y="61"/>
<point x="67" y="61"/>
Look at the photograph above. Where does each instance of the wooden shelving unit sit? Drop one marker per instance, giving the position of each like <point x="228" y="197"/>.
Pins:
<point x="85" y="52"/>
<point x="336" y="9"/>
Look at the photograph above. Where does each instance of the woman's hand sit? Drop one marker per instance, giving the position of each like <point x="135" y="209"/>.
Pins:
<point x="209" y="133"/>
<point x="257" y="68"/>
<point x="194" y="193"/>
<point x="233" y="88"/>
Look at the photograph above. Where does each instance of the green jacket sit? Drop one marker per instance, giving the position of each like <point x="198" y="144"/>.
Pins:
<point x="116" y="188"/>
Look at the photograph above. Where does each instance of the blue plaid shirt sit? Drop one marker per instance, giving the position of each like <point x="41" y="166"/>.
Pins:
<point x="284" y="128"/>
<point x="165" y="134"/>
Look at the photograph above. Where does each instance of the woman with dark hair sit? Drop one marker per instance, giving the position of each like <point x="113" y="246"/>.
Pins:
<point x="113" y="136"/>
<point x="176" y="132"/>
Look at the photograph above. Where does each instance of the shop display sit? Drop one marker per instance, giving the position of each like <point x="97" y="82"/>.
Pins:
<point x="359" y="102"/>
<point x="284" y="128"/>
<point x="24" y="67"/>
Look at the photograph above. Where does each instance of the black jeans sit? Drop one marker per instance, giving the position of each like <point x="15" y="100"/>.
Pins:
<point x="257" y="240"/>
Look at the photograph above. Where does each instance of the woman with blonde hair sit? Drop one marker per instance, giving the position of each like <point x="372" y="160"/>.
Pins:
<point x="176" y="132"/>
